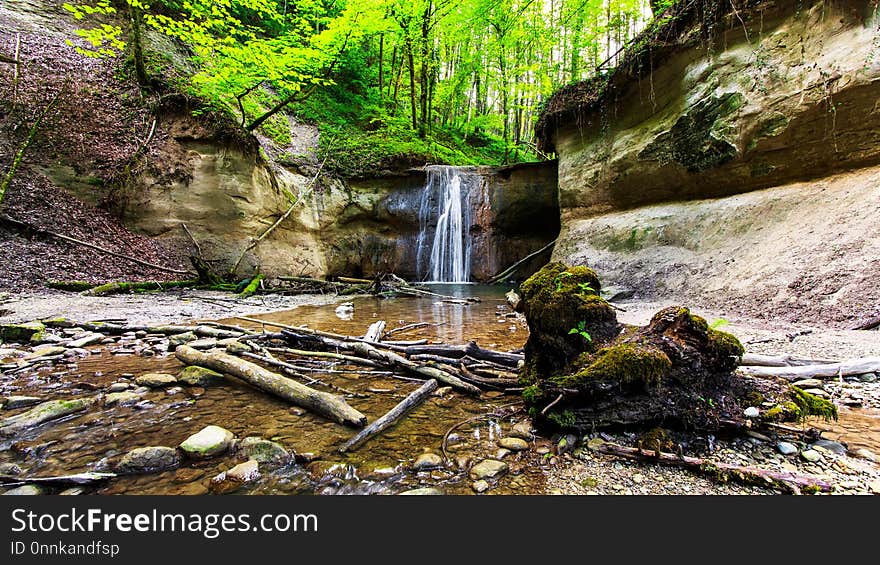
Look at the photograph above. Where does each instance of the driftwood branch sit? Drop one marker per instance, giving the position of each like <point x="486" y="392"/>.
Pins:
<point x="325" y="404"/>
<point x="757" y="360"/>
<point x="414" y="399"/>
<point x="828" y="370"/>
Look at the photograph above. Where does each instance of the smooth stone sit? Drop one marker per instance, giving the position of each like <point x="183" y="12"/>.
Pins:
<point x="874" y="486"/>
<point x="480" y="486"/>
<point x="25" y="490"/>
<point x="522" y="430"/>
<point x="244" y="472"/>
<point x="427" y="461"/>
<point x="811" y="456"/>
<point x="198" y="376"/>
<point x="210" y="441"/>
<point x="808" y="383"/>
<point x="43" y="412"/>
<point x="263" y="450"/>
<point x="149" y="460"/>
<point x="513" y="443"/>
<point x="488" y="469"/>
<point x="866" y="454"/>
<point x="751" y="412"/>
<point x="595" y="444"/>
<point x="45" y="351"/>
<point x="91" y="339"/>
<point x="501" y="453"/>
<point x="20" y="401"/>
<point x="428" y="491"/>
<point x="832" y="446"/>
<point x="118" y="387"/>
<point x="156" y="380"/>
<point x="817" y="392"/>
<point x="786" y="448"/>
<point x="207" y="343"/>
<point x="758" y="436"/>
<point x="121" y="398"/>
<point x="181" y="339"/>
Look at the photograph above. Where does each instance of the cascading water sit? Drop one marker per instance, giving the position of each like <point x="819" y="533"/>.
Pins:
<point x="444" y="247"/>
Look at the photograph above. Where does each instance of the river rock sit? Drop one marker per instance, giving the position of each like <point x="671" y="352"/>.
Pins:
<point x="811" y="456"/>
<point x="832" y="446"/>
<point x="595" y="444"/>
<point x="22" y="333"/>
<point x="149" y="460"/>
<point x="118" y="387"/>
<point x="180" y="339"/>
<point x="72" y="491"/>
<point x="480" y="486"/>
<point x="206" y="343"/>
<point x="90" y="339"/>
<point x="233" y="479"/>
<point x="751" y="412"/>
<point x="44" y="412"/>
<point x="866" y="454"/>
<point x="156" y="380"/>
<point x="198" y="376"/>
<point x="45" y="351"/>
<point x="874" y="487"/>
<point x="786" y="448"/>
<point x="513" y="443"/>
<point x="488" y="469"/>
<point x="427" y="491"/>
<point x="123" y="398"/>
<point x="427" y="461"/>
<point x="263" y="451"/>
<point x="817" y="392"/>
<point x="210" y="441"/>
<point x="522" y="430"/>
<point x="26" y="490"/>
<point x="20" y="401"/>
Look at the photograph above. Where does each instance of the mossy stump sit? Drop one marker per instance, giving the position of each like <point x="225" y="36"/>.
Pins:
<point x="674" y="372"/>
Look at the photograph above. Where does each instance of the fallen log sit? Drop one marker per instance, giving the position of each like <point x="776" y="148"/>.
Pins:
<point x="506" y="273"/>
<point x="325" y="404"/>
<point x="470" y="349"/>
<point x="723" y="472"/>
<point x="829" y="370"/>
<point x="375" y="331"/>
<point x="294" y="371"/>
<point x="77" y="479"/>
<point x="122" y="287"/>
<point x="389" y="419"/>
<point x="351" y="359"/>
<point x="396" y="360"/>
<point x="785" y="360"/>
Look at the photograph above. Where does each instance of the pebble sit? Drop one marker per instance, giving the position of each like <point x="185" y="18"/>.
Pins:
<point x="501" y="453"/>
<point x="25" y="490"/>
<point x="522" y="430"/>
<point x="117" y="387"/>
<point x="811" y="455"/>
<point x="488" y="469"/>
<point x="513" y="443"/>
<point x="817" y="392"/>
<point x="751" y="412"/>
<point x="808" y="383"/>
<point x="786" y="448"/>
<point x="427" y="461"/>
<point x="244" y="472"/>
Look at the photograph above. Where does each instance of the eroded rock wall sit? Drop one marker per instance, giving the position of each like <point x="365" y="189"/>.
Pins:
<point x="719" y="177"/>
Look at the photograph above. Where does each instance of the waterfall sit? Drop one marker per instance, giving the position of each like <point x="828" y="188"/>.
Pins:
<point x="444" y="247"/>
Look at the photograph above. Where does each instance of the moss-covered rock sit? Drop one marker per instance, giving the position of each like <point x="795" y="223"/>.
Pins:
<point x="22" y="333"/>
<point x="198" y="376"/>
<point x="624" y="363"/>
<point x="45" y="412"/>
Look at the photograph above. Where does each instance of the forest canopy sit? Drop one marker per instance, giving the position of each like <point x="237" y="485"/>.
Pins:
<point x="455" y="81"/>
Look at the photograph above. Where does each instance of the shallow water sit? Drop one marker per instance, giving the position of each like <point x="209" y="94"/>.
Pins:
<point x="94" y="440"/>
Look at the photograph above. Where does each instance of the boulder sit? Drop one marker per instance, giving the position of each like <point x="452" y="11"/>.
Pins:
<point x="22" y="333"/>
<point x="263" y="451"/>
<point x="488" y="469"/>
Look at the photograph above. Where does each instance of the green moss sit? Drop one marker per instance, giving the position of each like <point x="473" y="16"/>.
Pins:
<point x="564" y="419"/>
<point x="70" y="286"/>
<point x="624" y="363"/>
<point x="22" y="333"/>
<point x="753" y="398"/>
<point x="656" y="439"/>
<point x="811" y="405"/>
<point x="725" y="344"/>
<point x="251" y="288"/>
<point x="532" y="395"/>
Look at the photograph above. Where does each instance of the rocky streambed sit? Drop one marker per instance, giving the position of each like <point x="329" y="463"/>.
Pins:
<point x="128" y="407"/>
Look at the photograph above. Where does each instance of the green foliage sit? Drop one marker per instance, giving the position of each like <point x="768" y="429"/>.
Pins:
<point x="719" y="323"/>
<point x="581" y="331"/>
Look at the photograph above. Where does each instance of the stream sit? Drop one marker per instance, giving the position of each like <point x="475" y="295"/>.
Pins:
<point x="96" y="439"/>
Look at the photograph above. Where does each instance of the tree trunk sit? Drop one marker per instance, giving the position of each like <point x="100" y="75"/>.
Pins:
<point x="325" y="404"/>
<point x="381" y="63"/>
<point x="137" y="49"/>
<point x="412" y="85"/>
<point x="414" y="399"/>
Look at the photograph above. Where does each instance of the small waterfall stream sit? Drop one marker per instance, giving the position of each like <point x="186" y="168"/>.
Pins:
<point x="444" y="246"/>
